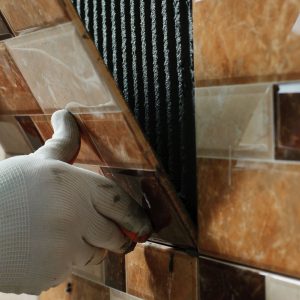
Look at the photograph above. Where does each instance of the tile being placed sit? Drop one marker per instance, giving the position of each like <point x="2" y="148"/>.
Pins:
<point x="287" y="112"/>
<point x="157" y="272"/>
<point x="115" y="141"/>
<point x="87" y="153"/>
<point x="26" y="14"/>
<point x="59" y="70"/>
<point x="15" y="95"/>
<point x="234" y="121"/>
<point x="146" y="190"/>
<point x="249" y="212"/>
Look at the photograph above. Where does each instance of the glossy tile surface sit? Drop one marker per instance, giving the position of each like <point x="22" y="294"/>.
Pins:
<point x="221" y="281"/>
<point x="25" y="14"/>
<point x="250" y="212"/>
<point x="13" y="141"/>
<point x="15" y="96"/>
<point x="287" y="109"/>
<point x="246" y="39"/>
<point x="145" y="188"/>
<point x="115" y="141"/>
<point x="67" y="76"/>
<point x="161" y="273"/>
<point x="57" y="293"/>
<point x="235" y="121"/>
<point x="87" y="153"/>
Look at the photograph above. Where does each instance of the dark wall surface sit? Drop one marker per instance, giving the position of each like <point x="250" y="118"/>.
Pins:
<point x="147" y="46"/>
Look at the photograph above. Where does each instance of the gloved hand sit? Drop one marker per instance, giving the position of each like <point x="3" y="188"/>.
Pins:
<point x="54" y="215"/>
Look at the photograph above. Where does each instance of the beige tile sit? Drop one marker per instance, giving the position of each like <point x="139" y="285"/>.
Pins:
<point x="249" y="39"/>
<point x="234" y="121"/>
<point x="25" y="14"/>
<point x="117" y="295"/>
<point x="277" y="289"/>
<point x="161" y="273"/>
<point x="59" y="71"/>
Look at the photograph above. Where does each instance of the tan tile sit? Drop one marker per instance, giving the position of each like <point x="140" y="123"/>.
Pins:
<point x="249" y="212"/>
<point x="87" y="153"/>
<point x="24" y="14"/>
<point x="15" y="96"/>
<point x="13" y="141"/>
<point x="115" y="142"/>
<point x="161" y="274"/>
<point x="85" y="289"/>
<point x="235" y="121"/>
<point x="59" y="70"/>
<point x="245" y="39"/>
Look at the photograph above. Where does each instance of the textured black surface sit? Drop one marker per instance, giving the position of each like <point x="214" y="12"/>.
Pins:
<point x="147" y="45"/>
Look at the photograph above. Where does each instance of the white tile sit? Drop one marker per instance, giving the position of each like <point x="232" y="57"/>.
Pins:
<point x="59" y="71"/>
<point x="234" y="121"/>
<point x="281" y="290"/>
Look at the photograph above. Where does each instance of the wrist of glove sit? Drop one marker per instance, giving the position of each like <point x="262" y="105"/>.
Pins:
<point x="54" y="215"/>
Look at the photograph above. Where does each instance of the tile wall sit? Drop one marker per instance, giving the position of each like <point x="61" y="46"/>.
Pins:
<point x="247" y="78"/>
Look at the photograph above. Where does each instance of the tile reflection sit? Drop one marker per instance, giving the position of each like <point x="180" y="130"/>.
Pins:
<point x="66" y="75"/>
<point x="234" y="121"/>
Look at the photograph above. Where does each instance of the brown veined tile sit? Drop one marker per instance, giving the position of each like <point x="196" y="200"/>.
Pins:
<point x="87" y="153"/>
<point x="145" y="189"/>
<point x="223" y="281"/>
<point x="60" y="70"/>
<point x="250" y="212"/>
<point x="26" y="14"/>
<point x="15" y="96"/>
<point x="287" y="113"/>
<point x="115" y="142"/>
<point x="60" y="292"/>
<point x="161" y="273"/>
<point x="84" y="289"/>
<point x="13" y="140"/>
<point x="254" y="41"/>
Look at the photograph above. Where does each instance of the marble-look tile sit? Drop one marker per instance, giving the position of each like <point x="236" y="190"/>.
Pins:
<point x="25" y="14"/>
<point x="59" y="70"/>
<point x="287" y="112"/>
<point x="235" y="121"/>
<point x="87" y="153"/>
<point x="149" y="193"/>
<point x="161" y="273"/>
<point x="13" y="141"/>
<point x="15" y="96"/>
<point x="245" y="39"/>
<point x="222" y="281"/>
<point x="115" y="141"/>
<point x="250" y="212"/>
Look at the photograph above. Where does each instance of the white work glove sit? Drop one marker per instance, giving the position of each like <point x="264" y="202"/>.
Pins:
<point x="54" y="215"/>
